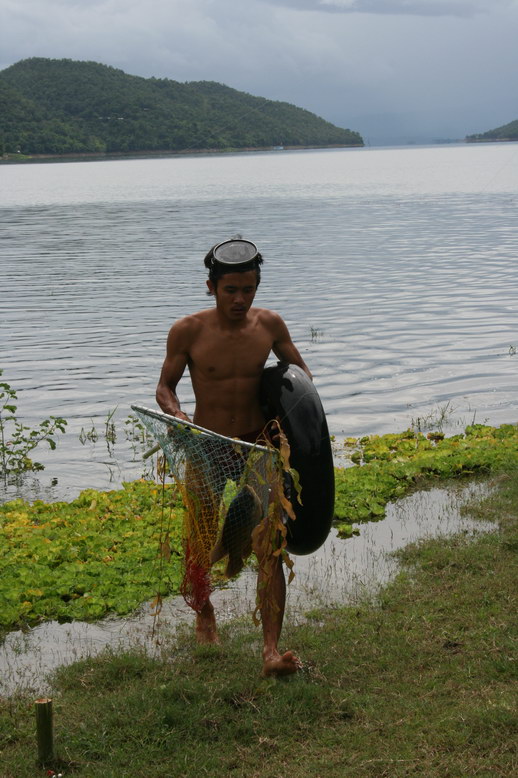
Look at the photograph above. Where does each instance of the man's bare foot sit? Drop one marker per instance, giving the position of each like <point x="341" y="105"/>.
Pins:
<point x="206" y="631"/>
<point x="276" y="664"/>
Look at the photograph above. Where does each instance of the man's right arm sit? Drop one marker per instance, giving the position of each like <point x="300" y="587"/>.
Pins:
<point x="177" y="356"/>
<point x="283" y="346"/>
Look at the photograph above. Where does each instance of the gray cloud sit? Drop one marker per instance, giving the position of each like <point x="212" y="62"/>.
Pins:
<point x="446" y="75"/>
<point x="462" y="8"/>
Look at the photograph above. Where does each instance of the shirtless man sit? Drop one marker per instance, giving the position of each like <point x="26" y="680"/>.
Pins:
<point x="225" y="349"/>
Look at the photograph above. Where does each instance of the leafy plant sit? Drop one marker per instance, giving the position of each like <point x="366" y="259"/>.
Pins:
<point x="17" y="440"/>
<point x="389" y="466"/>
<point x="98" y="554"/>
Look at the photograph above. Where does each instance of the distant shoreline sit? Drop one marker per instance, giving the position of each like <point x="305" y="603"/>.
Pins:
<point x="96" y="155"/>
<point x="491" y="140"/>
<point x="86" y="156"/>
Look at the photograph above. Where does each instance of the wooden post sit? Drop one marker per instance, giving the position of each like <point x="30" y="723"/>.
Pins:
<point x="44" y="730"/>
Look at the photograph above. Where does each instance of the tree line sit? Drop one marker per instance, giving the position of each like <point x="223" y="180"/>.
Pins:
<point x="506" y="132"/>
<point x="50" y="106"/>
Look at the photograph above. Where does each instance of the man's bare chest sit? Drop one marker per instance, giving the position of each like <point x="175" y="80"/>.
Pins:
<point x="231" y="354"/>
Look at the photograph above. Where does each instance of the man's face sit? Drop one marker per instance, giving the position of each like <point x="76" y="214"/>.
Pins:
<point x="235" y="293"/>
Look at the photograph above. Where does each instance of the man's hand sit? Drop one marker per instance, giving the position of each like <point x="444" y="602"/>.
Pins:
<point x="181" y="415"/>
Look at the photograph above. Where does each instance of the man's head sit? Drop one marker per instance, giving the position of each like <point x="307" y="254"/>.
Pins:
<point x="236" y="255"/>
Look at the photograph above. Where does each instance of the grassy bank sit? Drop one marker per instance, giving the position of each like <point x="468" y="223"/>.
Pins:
<point x="422" y="683"/>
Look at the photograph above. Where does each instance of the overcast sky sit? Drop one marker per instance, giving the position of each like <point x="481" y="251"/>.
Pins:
<point x="391" y="69"/>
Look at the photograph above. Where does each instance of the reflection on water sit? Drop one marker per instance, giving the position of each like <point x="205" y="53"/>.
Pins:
<point x="341" y="572"/>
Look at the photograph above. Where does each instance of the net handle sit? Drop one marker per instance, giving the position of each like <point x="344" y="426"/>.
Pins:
<point x="173" y="421"/>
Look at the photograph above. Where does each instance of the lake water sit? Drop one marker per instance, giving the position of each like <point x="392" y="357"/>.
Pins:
<point x="395" y="270"/>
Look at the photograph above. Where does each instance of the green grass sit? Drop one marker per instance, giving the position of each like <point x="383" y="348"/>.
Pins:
<point x="421" y="683"/>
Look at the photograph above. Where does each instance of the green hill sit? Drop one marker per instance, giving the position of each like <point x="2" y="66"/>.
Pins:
<point x="50" y="106"/>
<point x="507" y="132"/>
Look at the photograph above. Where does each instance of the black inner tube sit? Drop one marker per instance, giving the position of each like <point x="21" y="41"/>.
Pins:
<point x="289" y="395"/>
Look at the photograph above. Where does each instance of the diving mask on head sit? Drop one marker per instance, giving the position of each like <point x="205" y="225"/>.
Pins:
<point x="235" y="251"/>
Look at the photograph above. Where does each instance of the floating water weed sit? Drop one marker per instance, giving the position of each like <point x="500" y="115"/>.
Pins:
<point x="389" y="466"/>
<point x="103" y="552"/>
<point x="84" y="559"/>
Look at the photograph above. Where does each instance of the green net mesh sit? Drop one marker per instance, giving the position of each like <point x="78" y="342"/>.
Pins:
<point x="228" y="487"/>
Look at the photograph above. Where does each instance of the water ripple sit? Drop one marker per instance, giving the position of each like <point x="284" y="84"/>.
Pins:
<point x="397" y="281"/>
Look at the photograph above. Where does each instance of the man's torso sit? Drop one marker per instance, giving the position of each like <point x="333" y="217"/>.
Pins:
<point x="226" y="365"/>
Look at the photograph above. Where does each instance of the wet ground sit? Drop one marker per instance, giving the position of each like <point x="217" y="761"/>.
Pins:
<point x="341" y="572"/>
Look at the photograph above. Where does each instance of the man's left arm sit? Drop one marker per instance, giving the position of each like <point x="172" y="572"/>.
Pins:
<point x="284" y="348"/>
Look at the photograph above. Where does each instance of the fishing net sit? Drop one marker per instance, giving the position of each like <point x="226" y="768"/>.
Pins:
<point x="233" y="497"/>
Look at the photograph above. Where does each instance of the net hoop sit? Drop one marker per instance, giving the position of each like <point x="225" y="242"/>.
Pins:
<point x="174" y="421"/>
<point x="233" y="502"/>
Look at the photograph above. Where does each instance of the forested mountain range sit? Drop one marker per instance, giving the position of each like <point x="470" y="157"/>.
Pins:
<point x="61" y="106"/>
<point x="506" y="132"/>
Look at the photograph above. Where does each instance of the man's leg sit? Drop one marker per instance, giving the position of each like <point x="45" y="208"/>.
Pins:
<point x="227" y="464"/>
<point x="206" y="631"/>
<point x="202" y="500"/>
<point x="271" y="588"/>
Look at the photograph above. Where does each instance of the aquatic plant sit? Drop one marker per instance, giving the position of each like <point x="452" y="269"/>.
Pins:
<point x="108" y="552"/>
<point x="133" y="429"/>
<point x="435" y="419"/>
<point x="17" y="440"/>
<point x="95" y="555"/>
<point x="387" y="467"/>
